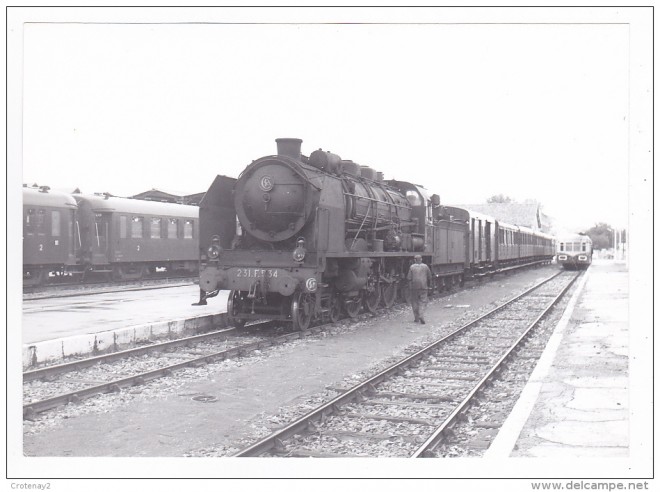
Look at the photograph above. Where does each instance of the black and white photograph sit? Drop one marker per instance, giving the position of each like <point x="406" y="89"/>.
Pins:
<point x="330" y="243"/>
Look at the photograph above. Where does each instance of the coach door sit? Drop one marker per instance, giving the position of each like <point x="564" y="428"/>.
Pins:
<point x="488" y="241"/>
<point x="101" y="236"/>
<point x="475" y="241"/>
<point x="73" y="233"/>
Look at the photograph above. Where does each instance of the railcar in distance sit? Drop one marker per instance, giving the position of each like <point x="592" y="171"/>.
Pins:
<point x="574" y="251"/>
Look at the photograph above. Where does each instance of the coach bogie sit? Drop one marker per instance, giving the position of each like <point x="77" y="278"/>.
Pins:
<point x="128" y="271"/>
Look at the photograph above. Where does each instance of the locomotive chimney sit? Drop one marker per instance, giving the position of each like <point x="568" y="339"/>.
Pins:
<point x="289" y="147"/>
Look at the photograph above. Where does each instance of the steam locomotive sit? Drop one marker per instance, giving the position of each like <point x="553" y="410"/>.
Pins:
<point x="318" y="237"/>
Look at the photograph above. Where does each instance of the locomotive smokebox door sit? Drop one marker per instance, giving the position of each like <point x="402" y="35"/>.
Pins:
<point x="274" y="198"/>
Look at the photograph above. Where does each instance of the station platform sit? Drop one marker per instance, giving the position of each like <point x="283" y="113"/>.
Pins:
<point x="54" y="330"/>
<point x="576" y="403"/>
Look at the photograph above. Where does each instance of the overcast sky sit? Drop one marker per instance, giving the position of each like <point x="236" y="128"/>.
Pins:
<point x="531" y="111"/>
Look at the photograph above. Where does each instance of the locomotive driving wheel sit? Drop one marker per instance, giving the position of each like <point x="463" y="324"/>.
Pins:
<point x="335" y="308"/>
<point x="388" y="293"/>
<point x="302" y="308"/>
<point x="234" y="309"/>
<point x="404" y="292"/>
<point x="352" y="306"/>
<point x="371" y="296"/>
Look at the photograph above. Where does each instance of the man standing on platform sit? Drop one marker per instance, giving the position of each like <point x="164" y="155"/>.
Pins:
<point x="419" y="277"/>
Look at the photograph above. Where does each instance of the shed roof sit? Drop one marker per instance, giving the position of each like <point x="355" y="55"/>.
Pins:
<point x="169" y="196"/>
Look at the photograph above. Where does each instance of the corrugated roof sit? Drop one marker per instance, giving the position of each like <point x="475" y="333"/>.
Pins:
<point x="169" y="196"/>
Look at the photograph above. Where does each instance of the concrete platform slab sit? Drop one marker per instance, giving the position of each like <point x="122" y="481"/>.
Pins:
<point x="576" y="403"/>
<point x="58" y="329"/>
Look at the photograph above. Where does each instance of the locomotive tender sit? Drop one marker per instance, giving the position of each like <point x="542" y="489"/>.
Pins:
<point x="574" y="251"/>
<point x="74" y="234"/>
<point x="317" y="236"/>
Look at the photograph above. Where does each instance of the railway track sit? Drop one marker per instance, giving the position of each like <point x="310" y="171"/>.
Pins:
<point x="408" y="409"/>
<point x="69" y="383"/>
<point x="77" y="390"/>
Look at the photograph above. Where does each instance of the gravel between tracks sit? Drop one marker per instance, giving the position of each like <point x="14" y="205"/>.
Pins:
<point x="262" y="424"/>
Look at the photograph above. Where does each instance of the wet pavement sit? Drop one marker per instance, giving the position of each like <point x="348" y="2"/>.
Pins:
<point x="63" y="317"/>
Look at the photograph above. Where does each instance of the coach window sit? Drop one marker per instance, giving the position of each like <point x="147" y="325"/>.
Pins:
<point x="155" y="227"/>
<point x="172" y="228"/>
<point x="101" y="225"/>
<point x="55" y="223"/>
<point x="188" y="229"/>
<point x="122" y="227"/>
<point x="40" y="221"/>
<point x="136" y="227"/>
<point x="30" y="220"/>
<point x="584" y="246"/>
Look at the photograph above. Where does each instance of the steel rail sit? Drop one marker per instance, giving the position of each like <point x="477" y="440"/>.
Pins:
<point x="275" y="439"/>
<point x="83" y="363"/>
<point x="31" y="408"/>
<point x="432" y="442"/>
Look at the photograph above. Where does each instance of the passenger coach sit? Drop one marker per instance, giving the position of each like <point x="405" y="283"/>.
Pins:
<point x="49" y="237"/>
<point x="129" y="238"/>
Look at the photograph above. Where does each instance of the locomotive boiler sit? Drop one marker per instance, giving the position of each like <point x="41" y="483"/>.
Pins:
<point x="297" y="238"/>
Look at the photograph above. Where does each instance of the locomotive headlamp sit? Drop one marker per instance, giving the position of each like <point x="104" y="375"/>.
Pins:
<point x="299" y="252"/>
<point x="214" y="249"/>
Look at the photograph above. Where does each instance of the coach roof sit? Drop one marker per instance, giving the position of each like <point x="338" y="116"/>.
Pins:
<point x="102" y="203"/>
<point x="45" y="198"/>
